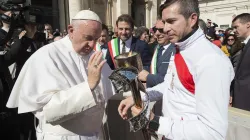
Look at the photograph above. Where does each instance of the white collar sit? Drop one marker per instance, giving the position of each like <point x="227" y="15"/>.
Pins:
<point x="6" y="29"/>
<point x="166" y="46"/>
<point x="127" y="42"/>
<point x="189" y="41"/>
<point x="246" y="40"/>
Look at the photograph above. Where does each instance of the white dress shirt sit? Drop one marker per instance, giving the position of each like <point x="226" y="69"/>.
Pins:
<point x="246" y="40"/>
<point x="165" y="48"/>
<point x="127" y="44"/>
<point x="204" y="114"/>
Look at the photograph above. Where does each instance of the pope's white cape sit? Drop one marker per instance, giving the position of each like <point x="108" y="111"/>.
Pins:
<point x="53" y="68"/>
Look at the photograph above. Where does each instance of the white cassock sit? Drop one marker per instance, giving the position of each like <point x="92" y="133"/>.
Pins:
<point x="53" y="85"/>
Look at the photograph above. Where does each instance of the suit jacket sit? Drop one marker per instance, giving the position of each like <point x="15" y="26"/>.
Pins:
<point x="161" y="67"/>
<point x="241" y="87"/>
<point x="138" y="46"/>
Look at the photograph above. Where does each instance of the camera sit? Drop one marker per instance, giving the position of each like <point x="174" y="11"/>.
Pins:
<point x="18" y="9"/>
<point x="20" y="17"/>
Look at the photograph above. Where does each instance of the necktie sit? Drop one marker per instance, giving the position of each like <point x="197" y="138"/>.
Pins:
<point x="123" y="47"/>
<point x="159" y="53"/>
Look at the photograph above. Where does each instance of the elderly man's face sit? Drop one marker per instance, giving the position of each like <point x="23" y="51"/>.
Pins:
<point x="176" y="25"/>
<point x="84" y="34"/>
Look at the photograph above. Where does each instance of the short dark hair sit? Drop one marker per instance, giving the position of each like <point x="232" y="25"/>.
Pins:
<point x="243" y="18"/>
<point x="187" y="7"/>
<point x="104" y="27"/>
<point x="139" y="31"/>
<point x="126" y="18"/>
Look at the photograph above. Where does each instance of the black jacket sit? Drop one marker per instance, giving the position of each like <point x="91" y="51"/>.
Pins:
<point x="161" y="67"/>
<point x="241" y="87"/>
<point x="8" y="57"/>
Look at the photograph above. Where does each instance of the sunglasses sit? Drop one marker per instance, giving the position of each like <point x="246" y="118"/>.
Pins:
<point x="157" y="29"/>
<point x="230" y="40"/>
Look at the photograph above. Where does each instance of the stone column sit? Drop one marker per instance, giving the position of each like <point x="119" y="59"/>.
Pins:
<point x="74" y="7"/>
<point x="62" y="15"/>
<point x="129" y="6"/>
<point x="122" y="7"/>
<point x="153" y="13"/>
<point x="109" y="15"/>
<point x="55" y="11"/>
<point x="148" y="15"/>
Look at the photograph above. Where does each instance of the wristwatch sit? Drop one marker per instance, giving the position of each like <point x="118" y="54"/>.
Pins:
<point x="154" y="123"/>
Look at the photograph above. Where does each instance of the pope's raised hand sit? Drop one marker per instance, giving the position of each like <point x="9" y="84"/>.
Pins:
<point x="95" y="66"/>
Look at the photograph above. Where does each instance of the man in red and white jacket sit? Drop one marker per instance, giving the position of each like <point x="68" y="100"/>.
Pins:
<point x="196" y="87"/>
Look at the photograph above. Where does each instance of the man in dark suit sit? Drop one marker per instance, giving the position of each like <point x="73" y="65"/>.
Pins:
<point x="126" y="42"/>
<point x="160" y="62"/>
<point x="241" y="87"/>
<point x="161" y="58"/>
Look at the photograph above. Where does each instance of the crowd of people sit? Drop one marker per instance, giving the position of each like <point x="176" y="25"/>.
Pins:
<point x="193" y="70"/>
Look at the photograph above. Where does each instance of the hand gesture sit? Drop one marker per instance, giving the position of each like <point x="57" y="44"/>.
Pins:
<point x="95" y="65"/>
<point x="21" y="34"/>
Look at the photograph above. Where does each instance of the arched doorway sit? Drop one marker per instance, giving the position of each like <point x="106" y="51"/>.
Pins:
<point x="138" y="12"/>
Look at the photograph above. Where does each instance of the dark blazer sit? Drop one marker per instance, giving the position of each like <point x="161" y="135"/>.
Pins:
<point x="241" y="87"/>
<point x="161" y="68"/>
<point x="138" y="46"/>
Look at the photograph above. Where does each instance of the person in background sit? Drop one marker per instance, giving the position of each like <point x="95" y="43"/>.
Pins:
<point x="241" y="90"/>
<point x="142" y="33"/>
<point x="100" y="44"/>
<point x="203" y="26"/>
<point x="211" y="28"/>
<point x="64" y="33"/>
<point x="161" y="57"/>
<point x="127" y="43"/>
<point x="228" y="43"/>
<point x="48" y="31"/>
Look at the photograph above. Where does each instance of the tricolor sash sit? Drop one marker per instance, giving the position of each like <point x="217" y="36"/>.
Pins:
<point x="97" y="47"/>
<point x="153" y="69"/>
<point x="113" y="49"/>
<point x="186" y="78"/>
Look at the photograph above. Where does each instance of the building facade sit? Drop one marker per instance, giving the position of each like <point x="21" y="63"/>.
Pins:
<point x="144" y="12"/>
<point x="222" y="12"/>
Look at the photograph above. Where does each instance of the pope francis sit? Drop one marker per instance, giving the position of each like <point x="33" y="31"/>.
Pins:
<point x="65" y="84"/>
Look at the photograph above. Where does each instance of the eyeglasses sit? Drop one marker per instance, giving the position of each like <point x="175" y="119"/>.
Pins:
<point x="159" y="29"/>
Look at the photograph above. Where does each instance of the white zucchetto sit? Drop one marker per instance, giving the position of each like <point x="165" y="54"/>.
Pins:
<point x="87" y="15"/>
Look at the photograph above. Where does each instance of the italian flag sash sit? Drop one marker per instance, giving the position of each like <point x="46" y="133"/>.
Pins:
<point x="153" y="69"/>
<point x="97" y="47"/>
<point x="113" y="49"/>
